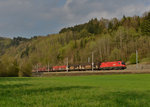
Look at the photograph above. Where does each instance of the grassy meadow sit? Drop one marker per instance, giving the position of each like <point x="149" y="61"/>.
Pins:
<point x="78" y="91"/>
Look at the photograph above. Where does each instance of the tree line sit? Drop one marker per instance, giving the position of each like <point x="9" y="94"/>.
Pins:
<point x="110" y="40"/>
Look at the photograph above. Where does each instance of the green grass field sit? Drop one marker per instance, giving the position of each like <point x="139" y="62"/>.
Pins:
<point x="77" y="91"/>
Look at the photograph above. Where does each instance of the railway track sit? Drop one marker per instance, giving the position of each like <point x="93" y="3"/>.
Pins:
<point x="82" y="73"/>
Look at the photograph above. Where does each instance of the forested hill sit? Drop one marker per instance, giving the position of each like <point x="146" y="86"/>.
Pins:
<point x="110" y="40"/>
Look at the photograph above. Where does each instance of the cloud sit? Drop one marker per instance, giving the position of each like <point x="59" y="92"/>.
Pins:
<point x="36" y="17"/>
<point x="107" y="8"/>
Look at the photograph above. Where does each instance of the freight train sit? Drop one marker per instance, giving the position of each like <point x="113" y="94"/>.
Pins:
<point x="115" y="65"/>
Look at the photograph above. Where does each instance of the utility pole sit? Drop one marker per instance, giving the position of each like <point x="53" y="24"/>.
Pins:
<point x="48" y="66"/>
<point x="88" y="59"/>
<point x="92" y="61"/>
<point x="37" y="68"/>
<point x="136" y="59"/>
<point x="67" y="64"/>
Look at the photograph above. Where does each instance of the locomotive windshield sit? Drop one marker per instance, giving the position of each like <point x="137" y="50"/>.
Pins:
<point x="123" y="63"/>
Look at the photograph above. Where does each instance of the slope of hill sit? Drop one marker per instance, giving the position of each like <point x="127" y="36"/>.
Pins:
<point x="109" y="40"/>
<point x="4" y="44"/>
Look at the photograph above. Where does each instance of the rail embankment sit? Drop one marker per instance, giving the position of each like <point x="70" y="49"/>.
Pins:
<point x="131" y="69"/>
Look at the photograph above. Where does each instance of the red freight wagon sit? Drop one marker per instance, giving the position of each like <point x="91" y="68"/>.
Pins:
<point x="112" y="65"/>
<point x="59" y="68"/>
<point x="42" y="69"/>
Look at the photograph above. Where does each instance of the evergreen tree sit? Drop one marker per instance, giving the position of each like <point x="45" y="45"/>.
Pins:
<point x="145" y="26"/>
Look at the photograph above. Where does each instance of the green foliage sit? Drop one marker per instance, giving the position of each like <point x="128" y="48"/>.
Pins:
<point x="133" y="58"/>
<point x="9" y="68"/>
<point x="25" y="53"/>
<point x="145" y="26"/>
<point x="84" y="33"/>
<point x="115" y="55"/>
<point x="4" y="44"/>
<point x="25" y="70"/>
<point x="146" y="60"/>
<point x="92" y="27"/>
<point x="18" y="40"/>
<point x="14" y="69"/>
<point x="109" y="40"/>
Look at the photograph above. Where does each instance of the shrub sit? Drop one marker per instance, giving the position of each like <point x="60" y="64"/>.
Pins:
<point x="9" y="68"/>
<point x="132" y="58"/>
<point x="115" y="55"/>
<point x="25" y="70"/>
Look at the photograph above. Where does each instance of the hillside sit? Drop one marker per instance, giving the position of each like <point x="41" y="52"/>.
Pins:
<point x="109" y="40"/>
<point x="4" y="44"/>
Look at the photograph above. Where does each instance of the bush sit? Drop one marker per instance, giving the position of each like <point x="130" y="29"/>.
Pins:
<point x="9" y="68"/>
<point x="13" y="69"/>
<point x="132" y="58"/>
<point x="25" y="70"/>
<point x="115" y="55"/>
<point x="145" y="60"/>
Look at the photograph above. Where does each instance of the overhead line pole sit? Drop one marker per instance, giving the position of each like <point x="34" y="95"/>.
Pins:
<point x="37" y="68"/>
<point x="67" y="64"/>
<point x="92" y="61"/>
<point x="48" y="66"/>
<point x="136" y="59"/>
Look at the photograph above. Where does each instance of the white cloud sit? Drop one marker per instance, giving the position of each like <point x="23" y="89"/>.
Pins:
<point x="36" y="17"/>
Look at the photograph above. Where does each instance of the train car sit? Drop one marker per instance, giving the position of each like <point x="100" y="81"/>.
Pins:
<point x="59" y="68"/>
<point x="88" y="66"/>
<point x="80" y="67"/>
<point x="73" y="67"/>
<point x="116" y="65"/>
<point x="96" y="66"/>
<point x="42" y="69"/>
<point x="83" y="67"/>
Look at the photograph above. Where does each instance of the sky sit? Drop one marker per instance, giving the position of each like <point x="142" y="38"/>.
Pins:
<point x="27" y="18"/>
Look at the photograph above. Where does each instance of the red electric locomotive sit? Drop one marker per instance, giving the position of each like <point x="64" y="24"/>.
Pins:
<point x="116" y="65"/>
